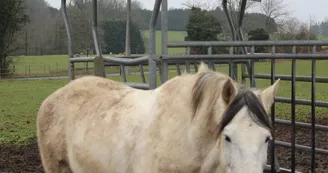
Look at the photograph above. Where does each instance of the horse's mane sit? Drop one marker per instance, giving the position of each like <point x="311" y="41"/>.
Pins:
<point x="206" y="92"/>
<point x="208" y="88"/>
<point x="246" y="97"/>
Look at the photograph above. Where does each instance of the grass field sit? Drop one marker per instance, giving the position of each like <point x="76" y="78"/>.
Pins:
<point x="172" y="36"/>
<point x="322" y="37"/>
<point x="54" y="65"/>
<point x="20" y="100"/>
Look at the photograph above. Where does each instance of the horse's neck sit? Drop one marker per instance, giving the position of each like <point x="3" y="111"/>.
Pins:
<point x="176" y="94"/>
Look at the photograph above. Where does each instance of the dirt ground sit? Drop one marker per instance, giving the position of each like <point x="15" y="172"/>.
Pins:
<point x="19" y="159"/>
<point x="25" y="159"/>
<point x="303" y="159"/>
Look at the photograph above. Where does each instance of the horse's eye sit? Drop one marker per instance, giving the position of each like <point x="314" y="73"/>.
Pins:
<point x="227" y="139"/>
<point x="267" y="139"/>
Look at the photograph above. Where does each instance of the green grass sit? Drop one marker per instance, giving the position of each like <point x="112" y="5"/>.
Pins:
<point x="42" y="65"/>
<point x="172" y="36"/>
<point x="303" y="89"/>
<point x="20" y="100"/>
<point x="56" y="65"/>
<point x="51" y="65"/>
<point x="322" y="37"/>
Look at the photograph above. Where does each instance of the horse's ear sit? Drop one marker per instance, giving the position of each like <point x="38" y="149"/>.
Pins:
<point x="203" y="68"/>
<point x="229" y="91"/>
<point x="267" y="96"/>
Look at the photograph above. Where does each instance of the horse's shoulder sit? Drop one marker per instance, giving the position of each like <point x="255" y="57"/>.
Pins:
<point x="176" y="84"/>
<point x="94" y="85"/>
<point x="84" y="88"/>
<point x="94" y="81"/>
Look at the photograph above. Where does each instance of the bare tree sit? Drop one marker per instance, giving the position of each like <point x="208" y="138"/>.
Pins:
<point x="311" y="22"/>
<point x="136" y="5"/>
<point x="233" y="7"/>
<point x="207" y="5"/>
<point x="81" y="16"/>
<point x="40" y="30"/>
<point x="292" y="27"/>
<point x="289" y="25"/>
<point x="274" y="10"/>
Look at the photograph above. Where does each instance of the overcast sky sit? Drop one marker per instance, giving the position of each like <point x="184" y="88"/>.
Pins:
<point x="301" y="9"/>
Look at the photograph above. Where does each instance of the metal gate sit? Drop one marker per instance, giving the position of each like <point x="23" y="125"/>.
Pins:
<point x="232" y="59"/>
<point x="293" y="78"/>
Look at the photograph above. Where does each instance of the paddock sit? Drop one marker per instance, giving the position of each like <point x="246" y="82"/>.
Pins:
<point x="26" y="158"/>
<point x="239" y="56"/>
<point x="298" y="146"/>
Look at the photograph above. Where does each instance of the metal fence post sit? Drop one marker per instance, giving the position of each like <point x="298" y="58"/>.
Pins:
<point x="164" y="64"/>
<point x="152" y="46"/>
<point x="313" y="113"/>
<point x="98" y="61"/>
<point x="99" y="66"/>
<point x="71" y="75"/>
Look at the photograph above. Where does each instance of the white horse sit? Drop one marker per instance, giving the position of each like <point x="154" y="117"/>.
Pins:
<point x="194" y="123"/>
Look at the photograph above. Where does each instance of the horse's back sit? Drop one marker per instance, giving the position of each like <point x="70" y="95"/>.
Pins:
<point x="78" y="107"/>
<point x="74" y="95"/>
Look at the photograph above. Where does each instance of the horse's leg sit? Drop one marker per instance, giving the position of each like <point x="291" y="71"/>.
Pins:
<point x="51" y="141"/>
<point x="53" y="156"/>
<point x="51" y="165"/>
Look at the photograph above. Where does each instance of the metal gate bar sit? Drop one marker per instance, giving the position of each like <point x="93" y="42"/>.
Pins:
<point x="313" y="119"/>
<point x="71" y="75"/>
<point x="238" y="35"/>
<point x="288" y="78"/>
<point x="142" y="74"/>
<point x="99" y="59"/>
<point x="301" y="124"/>
<point x="152" y="46"/>
<point x="301" y="102"/>
<point x="302" y="148"/>
<point x="274" y="162"/>
<point x="165" y="37"/>
<point x="293" y="110"/>
<point x="248" y="43"/>
<point x="248" y="56"/>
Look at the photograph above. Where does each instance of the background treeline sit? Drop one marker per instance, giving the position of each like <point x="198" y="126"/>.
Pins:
<point x="45" y="33"/>
<point x="321" y="28"/>
<point x="114" y="37"/>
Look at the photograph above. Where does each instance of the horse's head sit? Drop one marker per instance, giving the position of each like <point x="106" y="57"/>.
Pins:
<point x="238" y="118"/>
<point x="245" y="131"/>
